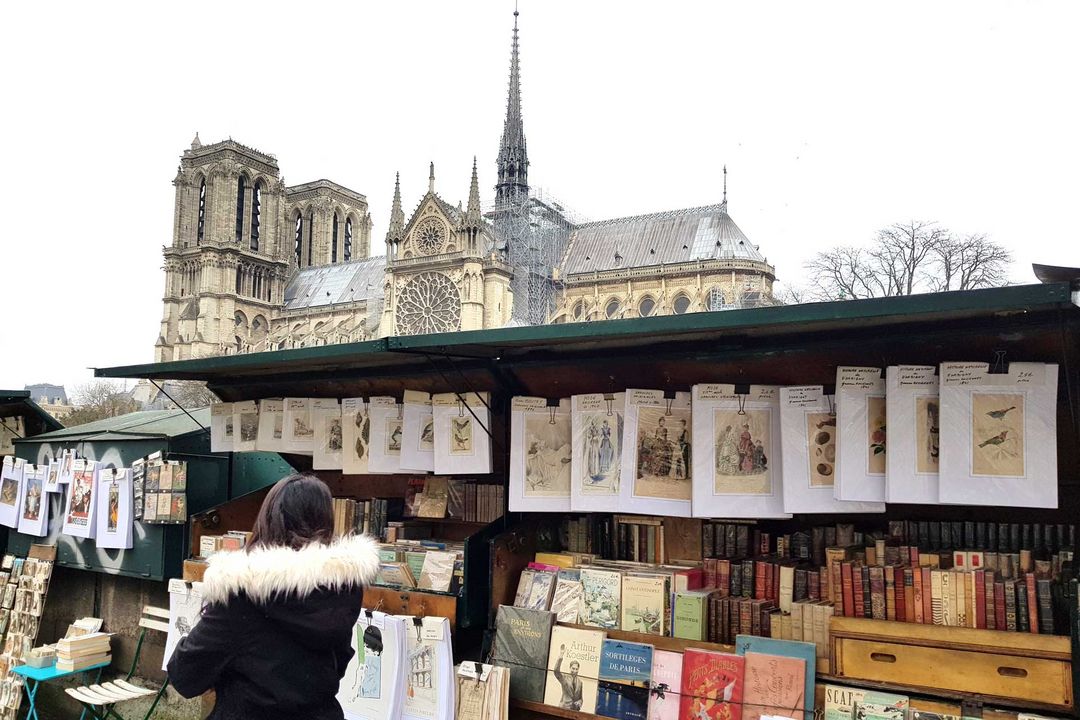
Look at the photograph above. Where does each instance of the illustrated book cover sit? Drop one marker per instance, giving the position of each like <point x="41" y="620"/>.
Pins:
<point x="712" y="686"/>
<point x="625" y="672"/>
<point x="573" y="668"/>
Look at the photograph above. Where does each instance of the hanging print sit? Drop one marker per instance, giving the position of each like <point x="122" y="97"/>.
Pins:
<point x="742" y="452"/>
<point x="997" y="434"/>
<point x="663" y="453"/>
<point x="821" y="446"/>
<point x="547" y="455"/>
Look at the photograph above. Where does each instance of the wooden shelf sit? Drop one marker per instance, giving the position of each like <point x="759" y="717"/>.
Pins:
<point x="540" y="710"/>
<point x="660" y="642"/>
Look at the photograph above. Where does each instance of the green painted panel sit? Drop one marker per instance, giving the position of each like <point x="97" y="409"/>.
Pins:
<point x="256" y="470"/>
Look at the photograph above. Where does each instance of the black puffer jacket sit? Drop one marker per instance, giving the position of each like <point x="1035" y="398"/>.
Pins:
<point x="274" y="638"/>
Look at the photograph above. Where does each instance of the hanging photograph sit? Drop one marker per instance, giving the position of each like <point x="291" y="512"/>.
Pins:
<point x="540" y="455"/>
<point x="742" y="447"/>
<point x="821" y="448"/>
<point x="997" y="440"/>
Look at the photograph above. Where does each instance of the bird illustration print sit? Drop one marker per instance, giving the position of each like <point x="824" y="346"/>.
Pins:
<point x="1000" y="414"/>
<point x="995" y="440"/>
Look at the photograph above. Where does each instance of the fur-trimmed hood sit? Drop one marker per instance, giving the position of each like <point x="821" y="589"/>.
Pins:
<point x="269" y="573"/>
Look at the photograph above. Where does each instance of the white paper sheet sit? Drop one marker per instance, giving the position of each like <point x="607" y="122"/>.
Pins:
<point x="914" y="419"/>
<point x="185" y="607"/>
<point x="355" y="436"/>
<point x="596" y="421"/>
<point x="540" y="455"/>
<point x="738" y="468"/>
<point x="808" y="434"/>
<point x="656" y="466"/>
<point x="860" y="421"/>
<point x="298" y="433"/>
<point x="462" y="443"/>
<point x="386" y="434"/>
<point x="271" y="437"/>
<point x="67" y="466"/>
<point x="34" y="504"/>
<point x="430" y="688"/>
<point x="114" y="509"/>
<point x="245" y="425"/>
<point x="222" y="428"/>
<point x="52" y="477"/>
<point x="373" y="687"/>
<point x="418" y="432"/>
<point x="326" y="416"/>
<point x="999" y="435"/>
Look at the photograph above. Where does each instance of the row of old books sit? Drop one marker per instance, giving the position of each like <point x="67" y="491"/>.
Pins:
<point x="589" y="672"/>
<point x="423" y="565"/>
<point x="457" y="498"/>
<point x="637" y="538"/>
<point x="210" y="545"/>
<point x="365" y="516"/>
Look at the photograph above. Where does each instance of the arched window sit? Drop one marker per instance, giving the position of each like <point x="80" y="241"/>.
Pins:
<point x="311" y="237"/>
<point x="579" y="309"/>
<point x="348" y="240"/>
<point x="256" y="209"/>
<point x="240" y="209"/>
<point x="299" y="240"/>
<point x="681" y="304"/>
<point x="202" y="212"/>
<point x="646" y="306"/>
<point x="333" y="240"/>
<point x="612" y="308"/>
<point x="239" y="280"/>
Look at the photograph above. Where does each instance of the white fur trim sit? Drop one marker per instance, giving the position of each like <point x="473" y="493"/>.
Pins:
<point x="267" y="572"/>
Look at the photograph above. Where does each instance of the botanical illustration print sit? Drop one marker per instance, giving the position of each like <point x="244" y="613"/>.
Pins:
<point x="875" y="430"/>
<point x="393" y="436"/>
<point x="32" y="500"/>
<point x="927" y="449"/>
<point x="547" y="454"/>
<point x="9" y="491"/>
<point x="363" y="437"/>
<point x="821" y="447"/>
<point x="599" y="452"/>
<point x="997" y="434"/>
<point x="333" y="435"/>
<point x="663" y="454"/>
<point x="302" y="428"/>
<point x="461" y="438"/>
<point x="742" y="443"/>
<point x="113" y="521"/>
<point x="249" y="426"/>
<point x="427" y="433"/>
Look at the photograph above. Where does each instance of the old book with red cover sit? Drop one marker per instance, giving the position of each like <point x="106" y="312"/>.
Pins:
<point x="980" y="599"/>
<point x="1032" y="604"/>
<point x="890" y="592"/>
<point x="761" y="569"/>
<point x="712" y="686"/>
<point x="928" y="597"/>
<point x="877" y="592"/>
<point x="857" y="590"/>
<point x="847" y="590"/>
<point x="917" y="594"/>
<point x="723" y="577"/>
<point x="774" y="685"/>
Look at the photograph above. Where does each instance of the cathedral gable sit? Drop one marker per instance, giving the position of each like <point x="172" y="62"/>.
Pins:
<point x="432" y="229"/>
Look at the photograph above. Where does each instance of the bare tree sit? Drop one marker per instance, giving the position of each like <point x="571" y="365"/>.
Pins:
<point x="98" y="400"/>
<point x="192" y="394"/>
<point x="908" y="258"/>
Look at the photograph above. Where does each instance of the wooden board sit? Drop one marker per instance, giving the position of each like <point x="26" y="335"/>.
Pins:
<point x="42" y="552"/>
<point x="1003" y="667"/>
<point x="660" y="642"/>
<point x="397" y="601"/>
<point x="194" y="570"/>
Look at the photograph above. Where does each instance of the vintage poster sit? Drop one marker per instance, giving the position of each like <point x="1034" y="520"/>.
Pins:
<point x="79" y="506"/>
<point x="997" y="441"/>
<point x="742" y="449"/>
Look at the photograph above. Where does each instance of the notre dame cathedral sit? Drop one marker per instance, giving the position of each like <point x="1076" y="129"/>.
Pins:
<point x="257" y="265"/>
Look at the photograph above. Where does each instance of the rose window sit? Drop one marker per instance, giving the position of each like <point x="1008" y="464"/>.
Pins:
<point x="430" y="236"/>
<point x="429" y="303"/>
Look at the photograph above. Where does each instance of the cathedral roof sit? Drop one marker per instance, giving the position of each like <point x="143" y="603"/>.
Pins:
<point x="675" y="236"/>
<point x="333" y="284"/>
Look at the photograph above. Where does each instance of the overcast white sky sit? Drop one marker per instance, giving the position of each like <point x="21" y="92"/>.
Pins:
<point x="834" y="119"/>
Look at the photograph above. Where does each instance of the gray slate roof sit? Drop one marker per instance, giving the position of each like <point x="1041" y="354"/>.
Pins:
<point x="331" y="284"/>
<point x="675" y="236"/>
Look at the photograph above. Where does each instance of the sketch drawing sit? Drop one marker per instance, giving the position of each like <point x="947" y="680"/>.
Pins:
<point x="547" y="454"/>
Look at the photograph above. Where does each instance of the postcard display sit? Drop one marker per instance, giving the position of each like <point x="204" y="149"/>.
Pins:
<point x="385" y="414"/>
<point x="25" y="584"/>
<point x="655" y="471"/>
<point x="540" y="455"/>
<point x="163" y="488"/>
<point x="737" y="458"/>
<point x="417" y="432"/>
<point x="912" y="413"/>
<point x="808" y="433"/>
<point x="999" y="435"/>
<point x="860" y="425"/>
<point x="597" y="422"/>
<point x="462" y="427"/>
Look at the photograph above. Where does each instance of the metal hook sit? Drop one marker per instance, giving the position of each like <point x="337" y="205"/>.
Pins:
<point x="668" y="411"/>
<point x="551" y="411"/>
<point x="610" y="399"/>
<point x="742" y="404"/>
<point x="832" y="405"/>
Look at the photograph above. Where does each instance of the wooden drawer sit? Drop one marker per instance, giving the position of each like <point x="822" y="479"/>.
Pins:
<point x="397" y="601"/>
<point x="1017" y="668"/>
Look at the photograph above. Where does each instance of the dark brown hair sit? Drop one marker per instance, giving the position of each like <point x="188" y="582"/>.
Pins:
<point x="297" y="511"/>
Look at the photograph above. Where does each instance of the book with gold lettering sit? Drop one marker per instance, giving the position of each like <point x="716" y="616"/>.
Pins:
<point x="521" y="645"/>
<point x="712" y="685"/>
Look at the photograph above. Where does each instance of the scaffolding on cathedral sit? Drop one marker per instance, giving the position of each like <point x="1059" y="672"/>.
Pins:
<point x="531" y="233"/>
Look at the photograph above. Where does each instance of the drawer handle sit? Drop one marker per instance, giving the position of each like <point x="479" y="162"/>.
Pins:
<point x="1012" y="672"/>
<point x="884" y="657"/>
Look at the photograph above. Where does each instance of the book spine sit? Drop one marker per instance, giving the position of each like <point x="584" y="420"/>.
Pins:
<point x="890" y="592"/>
<point x="761" y="579"/>
<point x="813" y="585"/>
<point x="991" y="603"/>
<point x="980" y="599"/>
<point x="797" y="620"/>
<point x="868" y="611"/>
<point x="937" y="597"/>
<point x="723" y="577"/>
<point x="917" y="594"/>
<point x="909" y="594"/>
<point x="1022" y="617"/>
<point x="1010" y="605"/>
<point x="857" y="591"/>
<point x="1032" y="603"/>
<point x="1001" y="618"/>
<point x="877" y="593"/>
<point x="1044" y="591"/>
<point x="847" y="590"/>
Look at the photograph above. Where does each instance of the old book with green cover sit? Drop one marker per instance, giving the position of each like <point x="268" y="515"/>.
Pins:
<point x="690" y="614"/>
<point x="521" y="645"/>
<point x="840" y="701"/>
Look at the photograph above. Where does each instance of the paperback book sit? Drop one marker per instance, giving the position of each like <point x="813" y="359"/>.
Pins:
<point x="623" y="688"/>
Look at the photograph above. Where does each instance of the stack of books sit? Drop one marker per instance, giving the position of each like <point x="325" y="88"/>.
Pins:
<point x="425" y="565"/>
<point x="83" y="651"/>
<point x="209" y="545"/>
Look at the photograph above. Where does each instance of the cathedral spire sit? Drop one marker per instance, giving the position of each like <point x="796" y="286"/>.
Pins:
<point x="431" y="178"/>
<point x="513" y="163"/>
<point x="725" y="186"/>
<point x="472" y="214"/>
<point x="397" y="216"/>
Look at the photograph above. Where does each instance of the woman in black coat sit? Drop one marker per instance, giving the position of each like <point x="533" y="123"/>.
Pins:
<point x="274" y="637"/>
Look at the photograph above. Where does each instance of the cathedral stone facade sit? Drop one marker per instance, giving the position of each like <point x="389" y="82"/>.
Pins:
<point x="258" y="265"/>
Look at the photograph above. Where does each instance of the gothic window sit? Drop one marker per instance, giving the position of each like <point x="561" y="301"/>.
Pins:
<point x="612" y="308"/>
<point x="430" y="236"/>
<point x="333" y="241"/>
<point x="646" y="307"/>
<point x="256" y="209"/>
<point x="348" y="240"/>
<point x="428" y="303"/>
<point x="681" y="304"/>
<point x="240" y="209"/>
<point x="202" y="212"/>
<point x="311" y="237"/>
<point x="299" y="236"/>
<point x="579" y="309"/>
<point x="239" y="280"/>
